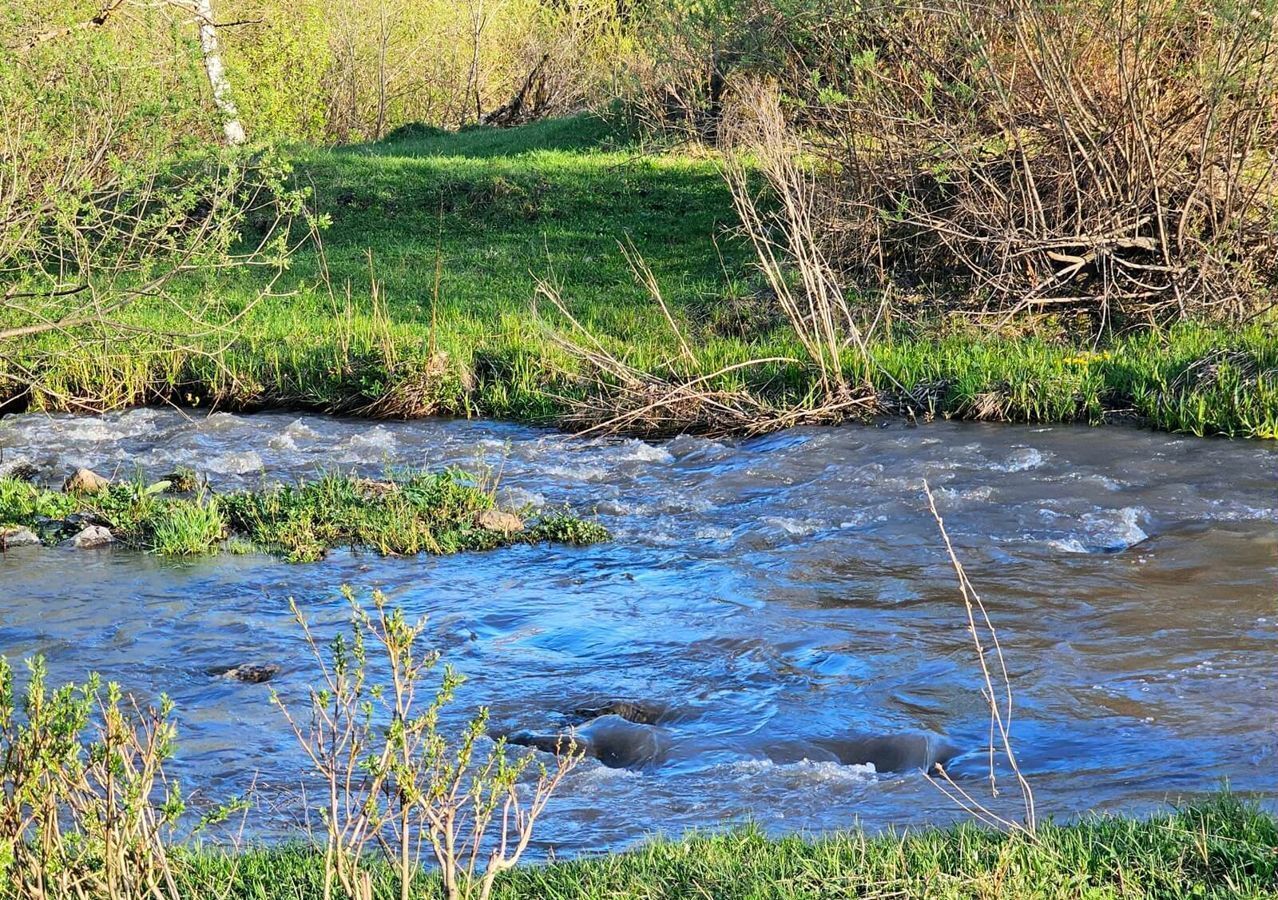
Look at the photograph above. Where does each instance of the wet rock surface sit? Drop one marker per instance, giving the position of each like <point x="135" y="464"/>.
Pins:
<point x="85" y="481"/>
<point x="247" y="673"/>
<point x="91" y="537"/>
<point x="19" y="468"/>
<point x="497" y="520"/>
<point x="640" y="712"/>
<point x="626" y="735"/>
<point x="17" y="537"/>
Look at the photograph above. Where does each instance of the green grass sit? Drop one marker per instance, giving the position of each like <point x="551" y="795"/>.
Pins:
<point x="1222" y="848"/>
<point x="417" y="513"/>
<point x="498" y="209"/>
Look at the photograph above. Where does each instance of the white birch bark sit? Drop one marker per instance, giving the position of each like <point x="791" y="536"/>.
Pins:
<point x="217" y="73"/>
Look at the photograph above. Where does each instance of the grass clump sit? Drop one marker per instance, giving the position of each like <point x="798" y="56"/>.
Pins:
<point x="24" y="504"/>
<point x="438" y="513"/>
<point x="1219" y="848"/>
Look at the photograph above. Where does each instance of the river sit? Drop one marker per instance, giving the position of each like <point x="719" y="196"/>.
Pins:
<point x="770" y="600"/>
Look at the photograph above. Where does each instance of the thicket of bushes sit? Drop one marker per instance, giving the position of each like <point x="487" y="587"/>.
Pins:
<point x="1108" y="160"/>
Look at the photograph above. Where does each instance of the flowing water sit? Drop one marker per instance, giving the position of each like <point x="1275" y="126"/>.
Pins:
<point x="773" y="606"/>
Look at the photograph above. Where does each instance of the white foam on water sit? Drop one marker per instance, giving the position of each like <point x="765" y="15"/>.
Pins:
<point x="221" y="421"/>
<point x="804" y="771"/>
<point x="377" y="440"/>
<point x="577" y="473"/>
<point x="616" y="507"/>
<point x="980" y="492"/>
<point x="1020" y="461"/>
<point x="234" y="463"/>
<point x="1108" y="531"/>
<point x="685" y="503"/>
<point x="1225" y="511"/>
<point x="790" y="526"/>
<point x="90" y="430"/>
<point x="641" y="451"/>
<point x="516" y="498"/>
<point x="298" y="428"/>
<point x="596" y="773"/>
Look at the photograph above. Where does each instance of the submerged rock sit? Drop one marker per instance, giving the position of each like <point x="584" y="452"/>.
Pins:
<point x="892" y="752"/>
<point x="85" y="481"/>
<point x="627" y="734"/>
<point x="497" y="520"/>
<point x="640" y="712"/>
<point x="90" y="538"/>
<point x="17" y="537"/>
<point x="249" y="673"/>
<point x="612" y="740"/>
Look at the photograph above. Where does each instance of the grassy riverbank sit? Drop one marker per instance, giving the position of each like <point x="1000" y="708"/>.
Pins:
<point x="1221" y="848"/>
<point x="422" y="303"/>
<point x="439" y="513"/>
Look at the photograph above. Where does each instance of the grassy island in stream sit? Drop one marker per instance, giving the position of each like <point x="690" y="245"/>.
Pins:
<point x="422" y="303"/>
<point x="444" y="512"/>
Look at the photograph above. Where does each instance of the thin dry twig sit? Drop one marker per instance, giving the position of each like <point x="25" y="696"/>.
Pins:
<point x="978" y="624"/>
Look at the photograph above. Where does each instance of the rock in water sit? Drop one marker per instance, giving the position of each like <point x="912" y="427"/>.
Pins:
<point x="17" y="537"/>
<point x="496" y="520"/>
<point x="612" y="740"/>
<point x="85" y="481"/>
<point x="91" y="538"/>
<point x="892" y="752"/>
<point x="249" y="673"/>
<point x="639" y="712"/>
<point x="19" y="469"/>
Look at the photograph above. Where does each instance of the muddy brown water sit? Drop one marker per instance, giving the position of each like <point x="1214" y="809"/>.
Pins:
<point x="771" y="605"/>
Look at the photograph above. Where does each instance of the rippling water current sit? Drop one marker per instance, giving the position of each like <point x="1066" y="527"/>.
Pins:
<point x="773" y="598"/>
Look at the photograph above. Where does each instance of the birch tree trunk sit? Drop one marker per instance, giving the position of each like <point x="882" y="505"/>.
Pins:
<point x="217" y="74"/>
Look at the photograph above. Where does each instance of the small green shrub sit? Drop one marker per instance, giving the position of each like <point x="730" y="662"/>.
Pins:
<point x="22" y="503"/>
<point x="562" y="527"/>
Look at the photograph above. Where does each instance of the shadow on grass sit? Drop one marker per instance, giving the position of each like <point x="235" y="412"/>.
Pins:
<point x="576" y="134"/>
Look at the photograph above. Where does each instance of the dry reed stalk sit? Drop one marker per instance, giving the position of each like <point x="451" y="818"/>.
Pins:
<point x="791" y="256"/>
<point x="817" y="307"/>
<point x="622" y="399"/>
<point x="978" y="623"/>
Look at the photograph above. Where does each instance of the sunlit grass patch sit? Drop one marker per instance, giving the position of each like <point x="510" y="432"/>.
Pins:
<point x="1219" y="848"/>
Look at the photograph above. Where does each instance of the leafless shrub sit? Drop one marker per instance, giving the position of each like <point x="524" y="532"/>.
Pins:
<point x="783" y="225"/>
<point x="1113" y="158"/>
<point x="391" y="778"/>
<point x="787" y="239"/>
<point x="624" y="399"/>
